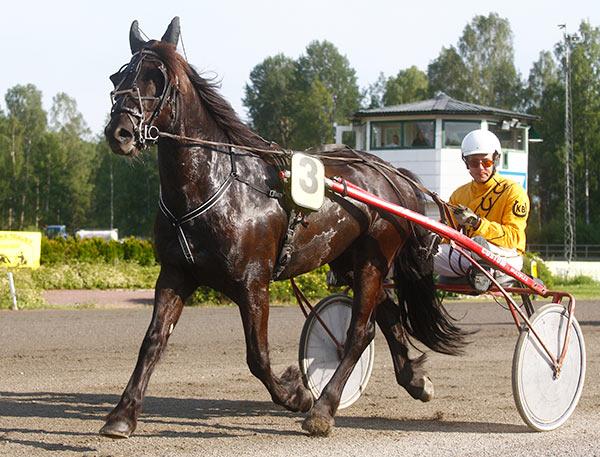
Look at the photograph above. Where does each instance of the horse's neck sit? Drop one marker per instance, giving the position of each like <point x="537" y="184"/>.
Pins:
<point x="190" y="175"/>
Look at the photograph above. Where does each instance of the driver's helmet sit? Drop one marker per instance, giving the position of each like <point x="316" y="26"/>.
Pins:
<point x="480" y="142"/>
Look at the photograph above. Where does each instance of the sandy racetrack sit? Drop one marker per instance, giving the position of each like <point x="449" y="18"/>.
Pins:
<point x="61" y="371"/>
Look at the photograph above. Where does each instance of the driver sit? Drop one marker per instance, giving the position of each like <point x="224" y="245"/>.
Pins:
<point x="491" y="209"/>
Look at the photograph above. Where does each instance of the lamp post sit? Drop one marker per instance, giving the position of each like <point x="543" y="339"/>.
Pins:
<point x="569" y="215"/>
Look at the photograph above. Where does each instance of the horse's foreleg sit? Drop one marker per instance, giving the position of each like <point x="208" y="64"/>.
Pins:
<point x="287" y="391"/>
<point x="409" y="373"/>
<point x="168" y="303"/>
<point x="360" y="333"/>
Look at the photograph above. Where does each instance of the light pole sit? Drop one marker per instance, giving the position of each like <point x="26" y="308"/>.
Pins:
<point x="569" y="215"/>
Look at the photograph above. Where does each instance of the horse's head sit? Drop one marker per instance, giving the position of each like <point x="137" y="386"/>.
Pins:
<point x="144" y="96"/>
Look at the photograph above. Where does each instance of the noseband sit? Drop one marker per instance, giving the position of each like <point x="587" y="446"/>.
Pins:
<point x="131" y="102"/>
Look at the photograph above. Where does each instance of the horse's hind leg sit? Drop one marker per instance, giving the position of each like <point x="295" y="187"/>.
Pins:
<point x="409" y="373"/>
<point x="168" y="303"/>
<point x="288" y="390"/>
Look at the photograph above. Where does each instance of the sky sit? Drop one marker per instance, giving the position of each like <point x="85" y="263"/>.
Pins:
<point x="73" y="46"/>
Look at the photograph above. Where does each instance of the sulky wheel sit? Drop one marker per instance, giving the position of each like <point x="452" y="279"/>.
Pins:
<point x="546" y="401"/>
<point x="319" y="355"/>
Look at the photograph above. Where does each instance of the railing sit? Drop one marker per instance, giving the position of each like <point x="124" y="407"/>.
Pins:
<point x="557" y="251"/>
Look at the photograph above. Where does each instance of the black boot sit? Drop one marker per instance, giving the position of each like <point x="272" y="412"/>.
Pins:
<point x="478" y="280"/>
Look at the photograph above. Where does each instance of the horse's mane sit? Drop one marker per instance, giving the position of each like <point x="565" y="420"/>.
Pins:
<point x="220" y="109"/>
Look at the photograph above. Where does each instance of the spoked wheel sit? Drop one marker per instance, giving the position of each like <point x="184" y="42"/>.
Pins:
<point x="545" y="401"/>
<point x="320" y="352"/>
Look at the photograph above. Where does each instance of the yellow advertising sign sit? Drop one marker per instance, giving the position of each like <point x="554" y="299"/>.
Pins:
<point x="20" y="249"/>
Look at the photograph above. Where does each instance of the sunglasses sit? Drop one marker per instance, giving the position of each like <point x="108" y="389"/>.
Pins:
<point x="474" y="163"/>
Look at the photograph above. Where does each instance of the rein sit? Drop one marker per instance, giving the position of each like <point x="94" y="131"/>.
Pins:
<point x="443" y="206"/>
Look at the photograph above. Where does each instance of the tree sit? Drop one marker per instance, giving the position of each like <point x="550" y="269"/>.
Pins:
<point x="65" y="117"/>
<point x="585" y="89"/>
<point x="481" y="69"/>
<point x="126" y="191"/>
<point x="27" y="123"/>
<point x="373" y="95"/>
<point x="409" y="85"/>
<point x="544" y="96"/>
<point x="24" y="103"/>
<point x="270" y="99"/>
<point x="324" y="72"/>
<point x="448" y="73"/>
<point x="298" y="102"/>
<point x="486" y="48"/>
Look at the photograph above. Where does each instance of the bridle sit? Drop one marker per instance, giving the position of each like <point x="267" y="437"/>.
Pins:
<point x="144" y="131"/>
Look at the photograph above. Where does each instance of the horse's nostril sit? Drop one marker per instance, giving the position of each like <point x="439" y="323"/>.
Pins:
<point x="123" y="135"/>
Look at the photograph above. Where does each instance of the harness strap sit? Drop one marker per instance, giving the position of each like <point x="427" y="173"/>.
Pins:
<point x="178" y="222"/>
<point x="191" y="215"/>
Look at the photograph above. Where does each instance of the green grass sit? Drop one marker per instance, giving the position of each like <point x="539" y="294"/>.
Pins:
<point x="30" y="284"/>
<point x="580" y="291"/>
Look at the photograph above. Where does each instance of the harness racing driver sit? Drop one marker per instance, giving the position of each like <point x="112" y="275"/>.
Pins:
<point x="491" y="209"/>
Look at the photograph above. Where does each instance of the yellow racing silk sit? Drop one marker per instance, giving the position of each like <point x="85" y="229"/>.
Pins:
<point x="503" y="206"/>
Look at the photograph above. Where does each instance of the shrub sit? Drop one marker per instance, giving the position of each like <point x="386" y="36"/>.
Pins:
<point x="93" y="250"/>
<point x="85" y="275"/>
<point x="312" y="284"/>
<point x="543" y="272"/>
<point x="28" y="294"/>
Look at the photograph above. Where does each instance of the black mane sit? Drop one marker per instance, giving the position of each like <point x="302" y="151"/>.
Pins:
<point x="220" y="109"/>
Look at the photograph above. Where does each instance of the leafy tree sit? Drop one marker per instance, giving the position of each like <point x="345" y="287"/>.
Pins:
<point x="127" y="189"/>
<point x="585" y="89"/>
<point x="409" y="85"/>
<point x="323" y="73"/>
<point x="27" y="122"/>
<point x="24" y="103"/>
<point x="314" y="116"/>
<point x="271" y="100"/>
<point x="64" y="116"/>
<point x="373" y="95"/>
<point x="448" y="73"/>
<point x="545" y="98"/>
<point x="297" y="103"/>
<point x="545" y="94"/>
<point x="481" y="68"/>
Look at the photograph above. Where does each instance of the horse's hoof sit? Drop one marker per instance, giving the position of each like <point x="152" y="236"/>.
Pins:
<point x="428" y="391"/>
<point x="318" y="425"/>
<point x="302" y="399"/>
<point x="422" y="389"/>
<point x="118" y="428"/>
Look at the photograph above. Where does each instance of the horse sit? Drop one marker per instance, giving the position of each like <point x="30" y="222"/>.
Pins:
<point x="225" y="221"/>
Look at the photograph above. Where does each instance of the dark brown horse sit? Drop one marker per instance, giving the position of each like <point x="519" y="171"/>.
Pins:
<point x="225" y="220"/>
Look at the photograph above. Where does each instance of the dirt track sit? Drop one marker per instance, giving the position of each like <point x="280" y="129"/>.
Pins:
<point x="61" y="371"/>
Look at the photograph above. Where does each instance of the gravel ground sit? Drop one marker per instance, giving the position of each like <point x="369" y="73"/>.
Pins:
<point x="62" y="370"/>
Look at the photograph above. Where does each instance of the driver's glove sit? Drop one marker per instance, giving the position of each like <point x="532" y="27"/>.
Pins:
<point x="466" y="217"/>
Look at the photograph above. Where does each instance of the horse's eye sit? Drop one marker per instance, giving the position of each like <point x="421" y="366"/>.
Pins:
<point x="155" y="80"/>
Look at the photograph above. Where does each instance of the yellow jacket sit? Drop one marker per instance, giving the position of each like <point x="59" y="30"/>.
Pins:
<point x="503" y="206"/>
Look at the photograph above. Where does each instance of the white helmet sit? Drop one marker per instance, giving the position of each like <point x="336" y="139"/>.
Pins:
<point x="480" y="142"/>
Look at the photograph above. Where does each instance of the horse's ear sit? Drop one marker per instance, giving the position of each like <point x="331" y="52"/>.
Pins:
<point x="172" y="33"/>
<point x="136" y="42"/>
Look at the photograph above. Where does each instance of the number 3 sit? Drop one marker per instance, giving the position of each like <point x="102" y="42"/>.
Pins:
<point x="308" y="181"/>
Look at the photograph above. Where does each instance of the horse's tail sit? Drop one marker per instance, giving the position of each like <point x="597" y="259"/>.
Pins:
<point x="421" y="310"/>
<point x="422" y="313"/>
